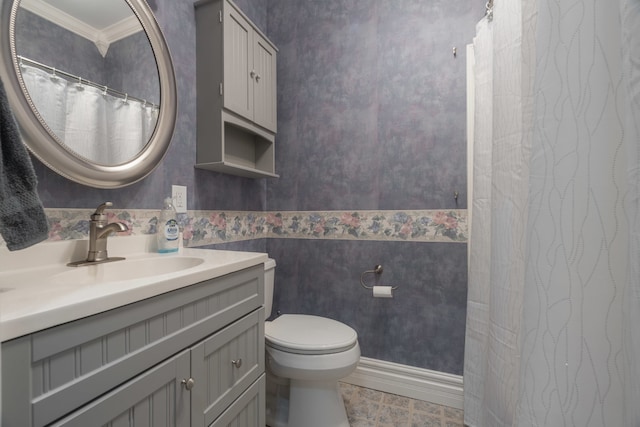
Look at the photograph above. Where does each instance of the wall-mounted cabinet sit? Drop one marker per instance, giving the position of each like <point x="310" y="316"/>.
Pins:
<point x="236" y="97"/>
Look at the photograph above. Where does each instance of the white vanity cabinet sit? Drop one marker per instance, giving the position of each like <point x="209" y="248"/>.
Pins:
<point x="236" y="98"/>
<point x="190" y="357"/>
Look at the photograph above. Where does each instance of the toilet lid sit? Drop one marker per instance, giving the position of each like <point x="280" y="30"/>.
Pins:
<point x="305" y="334"/>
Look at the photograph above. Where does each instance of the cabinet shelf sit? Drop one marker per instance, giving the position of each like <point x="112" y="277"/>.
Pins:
<point x="236" y="101"/>
<point x="237" y="147"/>
<point x="236" y="169"/>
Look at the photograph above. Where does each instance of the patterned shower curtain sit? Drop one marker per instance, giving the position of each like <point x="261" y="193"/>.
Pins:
<point x="553" y="321"/>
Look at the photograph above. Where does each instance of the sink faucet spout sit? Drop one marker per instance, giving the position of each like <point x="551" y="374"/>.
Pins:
<point x="116" y="227"/>
<point x="99" y="231"/>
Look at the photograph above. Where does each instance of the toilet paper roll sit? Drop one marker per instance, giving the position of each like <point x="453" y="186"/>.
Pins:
<point x="382" y="292"/>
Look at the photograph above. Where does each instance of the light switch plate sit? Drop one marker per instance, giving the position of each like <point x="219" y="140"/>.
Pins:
<point x="179" y="196"/>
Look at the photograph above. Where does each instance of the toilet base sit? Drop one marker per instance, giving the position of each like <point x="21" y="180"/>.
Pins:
<point x="277" y="389"/>
<point x="295" y="403"/>
<point x="316" y="404"/>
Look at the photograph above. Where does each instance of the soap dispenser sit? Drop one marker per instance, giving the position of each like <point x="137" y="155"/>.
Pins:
<point x="168" y="230"/>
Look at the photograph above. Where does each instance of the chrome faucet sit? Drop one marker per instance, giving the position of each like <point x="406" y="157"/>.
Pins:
<point x="99" y="231"/>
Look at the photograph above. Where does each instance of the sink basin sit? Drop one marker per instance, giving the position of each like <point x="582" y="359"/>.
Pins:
<point x="38" y="290"/>
<point x="129" y="269"/>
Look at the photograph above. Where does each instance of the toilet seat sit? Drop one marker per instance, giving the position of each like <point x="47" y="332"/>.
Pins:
<point x="306" y="334"/>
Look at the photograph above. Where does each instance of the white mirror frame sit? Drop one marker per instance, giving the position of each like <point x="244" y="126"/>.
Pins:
<point x="38" y="138"/>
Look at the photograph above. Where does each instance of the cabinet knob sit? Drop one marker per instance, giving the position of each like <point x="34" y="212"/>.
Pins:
<point x="188" y="384"/>
<point x="252" y="74"/>
<point x="237" y="363"/>
<point x="257" y="78"/>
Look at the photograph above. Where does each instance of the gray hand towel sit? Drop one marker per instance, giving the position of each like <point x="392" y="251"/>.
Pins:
<point x="22" y="219"/>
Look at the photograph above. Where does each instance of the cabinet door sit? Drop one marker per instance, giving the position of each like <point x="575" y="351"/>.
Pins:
<point x="155" y="398"/>
<point x="238" y="63"/>
<point x="265" y="97"/>
<point x="248" y="410"/>
<point x="224" y="366"/>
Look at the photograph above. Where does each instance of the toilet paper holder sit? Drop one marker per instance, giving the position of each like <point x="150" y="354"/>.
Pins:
<point x="377" y="270"/>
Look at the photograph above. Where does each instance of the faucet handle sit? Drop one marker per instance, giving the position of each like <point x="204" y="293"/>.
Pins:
<point x="99" y="215"/>
<point x="100" y="209"/>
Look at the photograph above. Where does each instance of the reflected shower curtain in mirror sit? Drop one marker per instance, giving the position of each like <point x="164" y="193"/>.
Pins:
<point x="85" y="127"/>
<point x="553" y="318"/>
<point x="96" y="126"/>
<point x="135" y="122"/>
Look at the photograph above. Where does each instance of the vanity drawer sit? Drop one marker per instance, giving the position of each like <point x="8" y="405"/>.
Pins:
<point x="50" y="373"/>
<point x="225" y="365"/>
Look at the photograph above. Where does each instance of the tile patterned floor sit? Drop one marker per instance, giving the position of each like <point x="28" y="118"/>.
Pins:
<point x="372" y="408"/>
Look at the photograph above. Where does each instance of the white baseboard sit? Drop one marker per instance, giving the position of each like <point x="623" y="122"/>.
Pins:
<point x="417" y="383"/>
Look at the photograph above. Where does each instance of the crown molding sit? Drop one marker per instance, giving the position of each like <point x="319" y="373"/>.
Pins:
<point x="122" y="29"/>
<point x="101" y="38"/>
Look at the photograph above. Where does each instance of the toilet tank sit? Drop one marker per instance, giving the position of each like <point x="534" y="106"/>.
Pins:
<point x="269" y="280"/>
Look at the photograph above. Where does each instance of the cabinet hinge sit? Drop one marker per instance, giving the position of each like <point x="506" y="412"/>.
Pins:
<point x="220" y="88"/>
<point x="220" y="15"/>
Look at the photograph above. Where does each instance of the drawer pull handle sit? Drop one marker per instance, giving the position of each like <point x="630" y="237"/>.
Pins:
<point x="188" y="384"/>
<point x="237" y="363"/>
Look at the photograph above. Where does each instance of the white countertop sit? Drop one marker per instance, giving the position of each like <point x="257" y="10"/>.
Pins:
<point x="33" y="297"/>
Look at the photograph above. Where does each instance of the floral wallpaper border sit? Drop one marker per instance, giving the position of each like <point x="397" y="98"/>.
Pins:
<point x="201" y="228"/>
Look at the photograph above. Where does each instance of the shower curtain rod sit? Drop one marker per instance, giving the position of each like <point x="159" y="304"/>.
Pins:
<point x="80" y="80"/>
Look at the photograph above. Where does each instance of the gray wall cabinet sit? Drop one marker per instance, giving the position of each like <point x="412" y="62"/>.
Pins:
<point x="237" y="99"/>
<point x="249" y="61"/>
<point x="191" y="357"/>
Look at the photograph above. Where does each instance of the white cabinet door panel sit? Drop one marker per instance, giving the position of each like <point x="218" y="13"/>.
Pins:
<point x="153" y="399"/>
<point x="238" y="60"/>
<point x="265" y="97"/>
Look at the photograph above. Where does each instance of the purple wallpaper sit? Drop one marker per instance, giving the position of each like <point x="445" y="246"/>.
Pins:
<point x="371" y="116"/>
<point x="133" y="52"/>
<point x="40" y="40"/>
<point x="48" y="43"/>
<point x="423" y="325"/>
<point x="372" y="102"/>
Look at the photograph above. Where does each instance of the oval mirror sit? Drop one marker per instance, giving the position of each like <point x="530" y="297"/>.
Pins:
<point x="91" y="84"/>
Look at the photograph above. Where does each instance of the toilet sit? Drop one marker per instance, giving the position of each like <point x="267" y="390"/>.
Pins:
<point x="305" y="357"/>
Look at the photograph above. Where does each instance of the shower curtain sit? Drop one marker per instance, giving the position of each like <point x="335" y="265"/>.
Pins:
<point x="96" y="126"/>
<point x="553" y="319"/>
